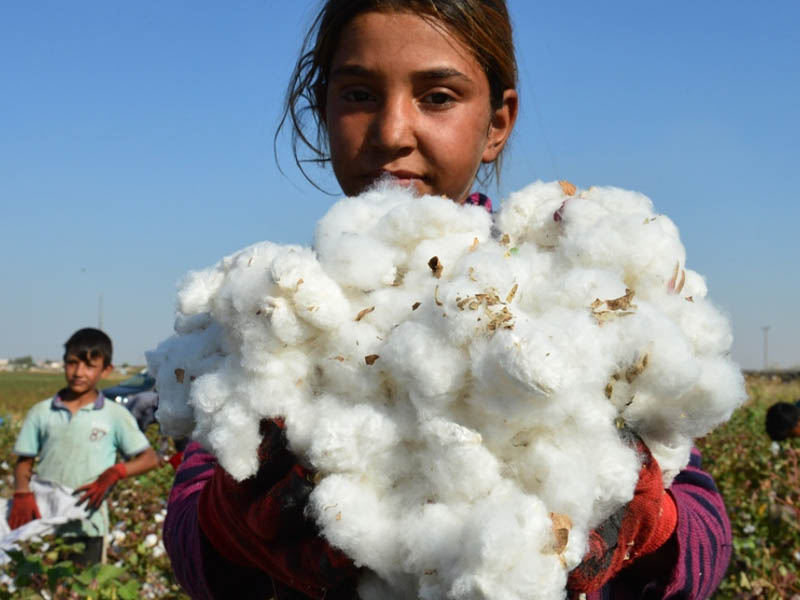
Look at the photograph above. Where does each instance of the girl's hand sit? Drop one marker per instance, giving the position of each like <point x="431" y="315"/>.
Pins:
<point x="637" y="529"/>
<point x="260" y="522"/>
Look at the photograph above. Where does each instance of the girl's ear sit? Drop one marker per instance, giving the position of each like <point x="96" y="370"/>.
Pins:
<point x="501" y="125"/>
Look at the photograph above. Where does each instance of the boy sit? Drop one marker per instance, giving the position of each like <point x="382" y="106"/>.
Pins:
<point x="76" y="435"/>
<point x="783" y="420"/>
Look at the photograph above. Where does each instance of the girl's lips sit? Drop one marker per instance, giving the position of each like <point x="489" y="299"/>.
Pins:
<point x="402" y="177"/>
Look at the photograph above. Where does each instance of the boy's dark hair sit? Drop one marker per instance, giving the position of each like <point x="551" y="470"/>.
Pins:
<point x="782" y="418"/>
<point x="483" y="26"/>
<point x="88" y="344"/>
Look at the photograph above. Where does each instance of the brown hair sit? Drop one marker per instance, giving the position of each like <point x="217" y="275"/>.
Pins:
<point x="89" y="343"/>
<point x="483" y="25"/>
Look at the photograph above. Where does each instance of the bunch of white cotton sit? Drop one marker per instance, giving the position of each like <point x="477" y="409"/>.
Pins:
<point x="458" y="384"/>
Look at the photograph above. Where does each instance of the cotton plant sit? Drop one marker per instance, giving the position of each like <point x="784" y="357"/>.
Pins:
<point x="457" y="381"/>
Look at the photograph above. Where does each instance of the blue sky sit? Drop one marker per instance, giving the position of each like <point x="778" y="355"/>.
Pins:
<point x="136" y="144"/>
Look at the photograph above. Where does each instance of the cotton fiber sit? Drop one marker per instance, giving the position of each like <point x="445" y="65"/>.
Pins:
<point x="458" y="382"/>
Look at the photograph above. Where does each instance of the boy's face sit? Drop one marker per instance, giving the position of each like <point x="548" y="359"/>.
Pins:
<point x="83" y="375"/>
<point x="409" y="101"/>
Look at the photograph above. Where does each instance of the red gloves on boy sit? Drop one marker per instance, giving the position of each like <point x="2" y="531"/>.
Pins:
<point x="637" y="529"/>
<point x="23" y="510"/>
<point x="260" y="523"/>
<point x="94" y="493"/>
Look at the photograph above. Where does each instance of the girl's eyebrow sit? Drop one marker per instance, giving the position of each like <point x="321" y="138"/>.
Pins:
<point x="433" y="73"/>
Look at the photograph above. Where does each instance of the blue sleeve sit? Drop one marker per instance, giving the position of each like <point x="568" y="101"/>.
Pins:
<point x="29" y="440"/>
<point x="130" y="441"/>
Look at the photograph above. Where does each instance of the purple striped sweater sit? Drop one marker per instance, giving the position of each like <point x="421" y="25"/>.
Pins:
<point x="690" y="566"/>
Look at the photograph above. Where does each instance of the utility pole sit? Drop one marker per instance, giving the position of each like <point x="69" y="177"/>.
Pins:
<point x="765" y="328"/>
<point x="100" y="311"/>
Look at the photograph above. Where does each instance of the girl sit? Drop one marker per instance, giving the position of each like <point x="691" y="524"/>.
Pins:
<point x="423" y="92"/>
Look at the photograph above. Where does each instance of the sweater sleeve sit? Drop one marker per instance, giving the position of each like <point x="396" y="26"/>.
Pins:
<point x="181" y="529"/>
<point x="693" y="562"/>
<point x="200" y="570"/>
<point x="703" y="534"/>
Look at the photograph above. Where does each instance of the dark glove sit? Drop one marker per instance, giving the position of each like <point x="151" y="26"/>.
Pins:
<point x="637" y="529"/>
<point x="259" y="522"/>
<point x="23" y="510"/>
<point x="94" y="493"/>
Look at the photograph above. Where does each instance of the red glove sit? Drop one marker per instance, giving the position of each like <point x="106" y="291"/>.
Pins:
<point x="175" y="460"/>
<point x="23" y="510"/>
<point x="637" y="529"/>
<point x="259" y="522"/>
<point x="94" y="493"/>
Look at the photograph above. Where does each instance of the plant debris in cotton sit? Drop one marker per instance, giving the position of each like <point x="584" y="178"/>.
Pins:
<point x="458" y="380"/>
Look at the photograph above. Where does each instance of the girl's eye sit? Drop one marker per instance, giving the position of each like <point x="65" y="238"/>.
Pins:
<point x="357" y="96"/>
<point x="438" y="98"/>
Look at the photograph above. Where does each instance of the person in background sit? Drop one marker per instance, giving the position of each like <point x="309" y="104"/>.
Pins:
<point x="76" y="436"/>
<point x="422" y="92"/>
<point x="783" y="420"/>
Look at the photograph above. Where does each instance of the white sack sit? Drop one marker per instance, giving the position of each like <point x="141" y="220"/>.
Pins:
<point x="56" y="504"/>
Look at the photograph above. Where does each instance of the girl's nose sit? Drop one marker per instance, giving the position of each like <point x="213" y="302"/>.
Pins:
<point x="393" y="127"/>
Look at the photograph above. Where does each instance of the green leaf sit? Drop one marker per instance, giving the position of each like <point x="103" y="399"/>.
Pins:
<point x="107" y="572"/>
<point x="129" y="591"/>
<point x="59" y="572"/>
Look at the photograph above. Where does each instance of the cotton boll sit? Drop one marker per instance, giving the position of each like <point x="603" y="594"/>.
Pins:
<point x="430" y="218"/>
<point x="360" y="261"/>
<point x="423" y="363"/>
<point x="580" y="471"/>
<point x="173" y="364"/>
<point x="514" y="558"/>
<point x="582" y="286"/>
<point x="235" y="439"/>
<point x="357" y="215"/>
<point x="527" y="215"/>
<point x="178" y="416"/>
<point x="189" y="323"/>
<point x="706" y="328"/>
<point x="197" y="288"/>
<point x="645" y="250"/>
<point x="446" y="249"/>
<point x="619" y="201"/>
<point x="346" y="366"/>
<point x="357" y="439"/>
<point x="317" y="298"/>
<point x="354" y="518"/>
<point x="668" y="363"/>
<point x="457" y="456"/>
<point x="210" y="392"/>
<point x="694" y="287"/>
<point x="284" y="323"/>
<point x="279" y="387"/>
<point x="671" y="454"/>
<point x="709" y="403"/>
<point x="391" y="305"/>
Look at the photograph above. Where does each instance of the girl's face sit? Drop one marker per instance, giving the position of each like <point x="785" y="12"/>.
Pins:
<point x="409" y="100"/>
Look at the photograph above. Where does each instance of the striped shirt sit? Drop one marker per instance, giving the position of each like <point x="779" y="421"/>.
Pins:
<point x="694" y="570"/>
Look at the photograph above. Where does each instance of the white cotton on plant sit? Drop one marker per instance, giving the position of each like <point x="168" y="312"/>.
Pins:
<point x="456" y="381"/>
